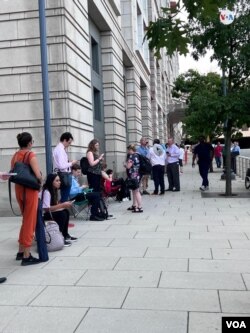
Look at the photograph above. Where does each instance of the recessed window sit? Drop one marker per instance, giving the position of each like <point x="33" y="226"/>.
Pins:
<point x="95" y="55"/>
<point x="97" y="105"/>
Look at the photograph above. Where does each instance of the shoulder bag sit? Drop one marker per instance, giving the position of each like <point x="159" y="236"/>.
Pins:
<point x="24" y="175"/>
<point x="65" y="178"/>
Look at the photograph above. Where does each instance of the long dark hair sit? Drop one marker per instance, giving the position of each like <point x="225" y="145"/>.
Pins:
<point x="91" y="146"/>
<point x="48" y="185"/>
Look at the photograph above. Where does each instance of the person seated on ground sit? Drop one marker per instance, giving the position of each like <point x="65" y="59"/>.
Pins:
<point x="78" y="193"/>
<point x="53" y="210"/>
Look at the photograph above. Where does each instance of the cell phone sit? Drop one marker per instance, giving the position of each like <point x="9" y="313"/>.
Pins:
<point x="9" y="174"/>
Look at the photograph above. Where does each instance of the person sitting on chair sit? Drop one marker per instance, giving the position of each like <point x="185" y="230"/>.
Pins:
<point x="111" y="184"/>
<point x="78" y="193"/>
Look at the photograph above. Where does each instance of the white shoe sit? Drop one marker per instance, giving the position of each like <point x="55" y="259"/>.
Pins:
<point x="203" y="188"/>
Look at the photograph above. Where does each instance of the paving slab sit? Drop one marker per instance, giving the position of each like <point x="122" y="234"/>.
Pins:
<point x="172" y="299"/>
<point x="77" y="296"/>
<point x="200" y="243"/>
<point x="234" y="266"/>
<point x="132" y="243"/>
<point x="200" y="280"/>
<point x="114" y="252"/>
<point x="152" y="264"/>
<point x="241" y="254"/>
<point x="16" y="295"/>
<point x="133" y="321"/>
<point x="82" y="263"/>
<point x="235" y="301"/>
<point x="178" y="252"/>
<point x="120" y="278"/>
<point x="200" y="322"/>
<point x="41" y="320"/>
<point x="218" y="235"/>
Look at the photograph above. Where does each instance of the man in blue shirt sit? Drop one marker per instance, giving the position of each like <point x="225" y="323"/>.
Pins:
<point x="78" y="194"/>
<point x="143" y="150"/>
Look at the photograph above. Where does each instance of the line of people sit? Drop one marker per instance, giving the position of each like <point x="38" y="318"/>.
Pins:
<point x="56" y="207"/>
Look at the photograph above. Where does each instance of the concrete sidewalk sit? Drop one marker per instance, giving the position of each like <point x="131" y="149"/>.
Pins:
<point x="177" y="268"/>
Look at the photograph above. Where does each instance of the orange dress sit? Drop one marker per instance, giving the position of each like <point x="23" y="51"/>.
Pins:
<point x="28" y="203"/>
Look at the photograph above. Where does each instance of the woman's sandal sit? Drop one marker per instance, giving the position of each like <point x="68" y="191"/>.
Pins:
<point x="131" y="208"/>
<point x="138" y="210"/>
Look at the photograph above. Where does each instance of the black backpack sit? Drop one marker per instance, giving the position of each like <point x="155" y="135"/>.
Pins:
<point x="145" y="165"/>
<point x="84" y="164"/>
<point x="103" y="209"/>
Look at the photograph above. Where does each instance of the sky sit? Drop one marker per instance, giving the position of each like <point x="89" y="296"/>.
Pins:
<point x="203" y="66"/>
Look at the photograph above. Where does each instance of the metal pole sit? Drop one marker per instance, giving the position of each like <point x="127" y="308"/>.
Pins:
<point x="45" y="84"/>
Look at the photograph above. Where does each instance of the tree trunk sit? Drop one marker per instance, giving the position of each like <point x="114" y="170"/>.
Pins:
<point x="228" y="133"/>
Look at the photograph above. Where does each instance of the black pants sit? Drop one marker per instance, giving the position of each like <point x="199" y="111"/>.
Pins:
<point x="173" y="176"/>
<point x="158" y="177"/>
<point x="203" y="169"/>
<point x="94" y="181"/>
<point x="62" y="219"/>
<point x="93" y="198"/>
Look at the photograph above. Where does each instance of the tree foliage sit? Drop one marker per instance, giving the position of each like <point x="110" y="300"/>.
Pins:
<point x="230" y="45"/>
<point x="207" y="108"/>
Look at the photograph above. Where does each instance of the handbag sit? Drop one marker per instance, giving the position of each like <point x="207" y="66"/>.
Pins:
<point x="132" y="183"/>
<point x="54" y="238"/>
<point x="65" y="178"/>
<point x="24" y="175"/>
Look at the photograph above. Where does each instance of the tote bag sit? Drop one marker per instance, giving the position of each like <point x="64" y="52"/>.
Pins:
<point x="54" y="238"/>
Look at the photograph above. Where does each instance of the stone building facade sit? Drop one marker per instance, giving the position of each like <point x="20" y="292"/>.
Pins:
<point x="103" y="80"/>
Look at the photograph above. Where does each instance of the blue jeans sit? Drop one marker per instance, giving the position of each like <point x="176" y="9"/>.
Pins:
<point x="65" y="192"/>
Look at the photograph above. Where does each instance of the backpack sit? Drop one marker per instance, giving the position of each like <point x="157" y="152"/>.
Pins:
<point x="84" y="164"/>
<point x="145" y="165"/>
<point x="103" y="209"/>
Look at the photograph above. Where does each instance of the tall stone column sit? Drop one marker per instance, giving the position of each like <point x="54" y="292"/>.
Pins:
<point x="146" y="113"/>
<point x="133" y="105"/>
<point x="113" y="99"/>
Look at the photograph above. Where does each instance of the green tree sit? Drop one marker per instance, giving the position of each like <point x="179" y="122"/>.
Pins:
<point x="230" y="45"/>
<point x="202" y="94"/>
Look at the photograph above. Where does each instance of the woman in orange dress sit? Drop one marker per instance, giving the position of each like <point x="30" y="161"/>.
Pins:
<point x="27" y="199"/>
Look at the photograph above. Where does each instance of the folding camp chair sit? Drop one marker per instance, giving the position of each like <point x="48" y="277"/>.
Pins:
<point x="81" y="209"/>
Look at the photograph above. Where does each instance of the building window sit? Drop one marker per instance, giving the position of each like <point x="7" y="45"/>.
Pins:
<point x="97" y="105"/>
<point x="95" y="55"/>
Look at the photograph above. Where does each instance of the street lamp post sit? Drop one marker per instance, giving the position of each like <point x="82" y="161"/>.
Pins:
<point x="45" y="85"/>
<point x="226" y="18"/>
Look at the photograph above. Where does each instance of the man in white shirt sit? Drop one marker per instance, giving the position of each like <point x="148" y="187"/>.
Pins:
<point x="61" y="161"/>
<point x="157" y="157"/>
<point x="173" y="153"/>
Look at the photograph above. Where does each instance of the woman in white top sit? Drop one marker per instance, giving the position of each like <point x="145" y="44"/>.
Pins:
<point x="53" y="209"/>
<point x="181" y="156"/>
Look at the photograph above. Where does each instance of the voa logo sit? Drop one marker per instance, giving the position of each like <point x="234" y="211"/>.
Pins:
<point x="226" y="17"/>
<point x="235" y="324"/>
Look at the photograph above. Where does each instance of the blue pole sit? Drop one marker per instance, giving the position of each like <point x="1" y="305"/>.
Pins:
<point x="45" y="85"/>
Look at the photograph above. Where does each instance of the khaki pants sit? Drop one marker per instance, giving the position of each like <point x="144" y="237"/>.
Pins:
<point x="144" y="183"/>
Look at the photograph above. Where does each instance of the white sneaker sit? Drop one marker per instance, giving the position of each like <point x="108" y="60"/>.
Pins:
<point x="125" y="199"/>
<point x="206" y="188"/>
<point x="203" y="188"/>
